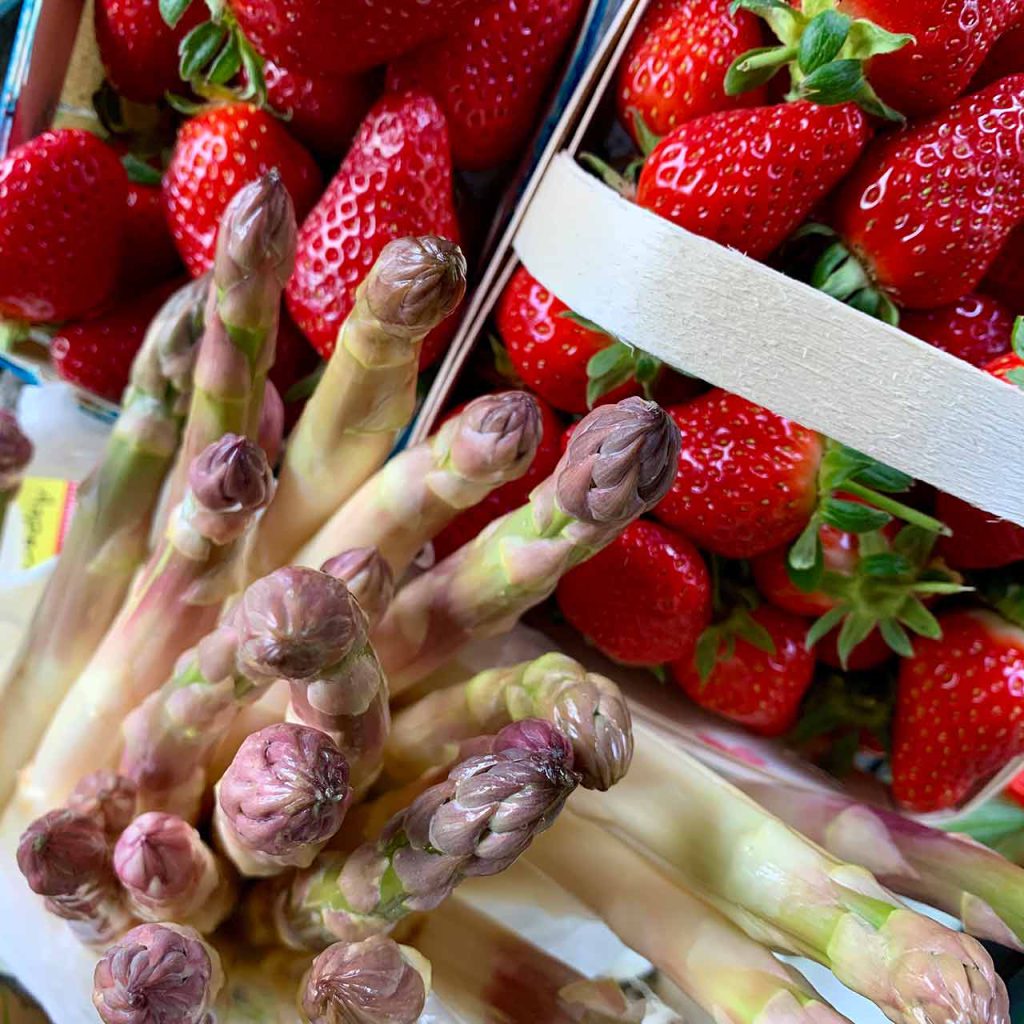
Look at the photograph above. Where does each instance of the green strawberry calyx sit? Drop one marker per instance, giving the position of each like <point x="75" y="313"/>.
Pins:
<point x="824" y="50"/>
<point x="1016" y="376"/>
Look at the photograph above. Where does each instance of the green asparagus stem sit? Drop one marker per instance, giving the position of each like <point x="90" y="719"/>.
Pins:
<point x="176" y="601"/>
<point x="417" y="493"/>
<point x="367" y="393"/>
<point x="109" y="532"/>
<point x="947" y="871"/>
<point x="788" y="893"/>
<point x="587" y="708"/>
<point x="66" y="858"/>
<point x="170" y="874"/>
<point x="254" y="259"/>
<point x="375" y="981"/>
<point x="282" y="798"/>
<point x="620" y="462"/>
<point x="15" y="455"/>
<point x="158" y="972"/>
<point x="475" y="822"/>
<point x="733" y="978"/>
<point x="109" y="800"/>
<point x="294" y="624"/>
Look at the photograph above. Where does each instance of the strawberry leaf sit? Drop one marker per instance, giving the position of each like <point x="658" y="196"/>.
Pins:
<point x="822" y="40"/>
<point x="806" y="551"/>
<point x="896" y="637"/>
<point x="172" y="11"/>
<point x="884" y="478"/>
<point x="503" y="361"/>
<point x="706" y="653"/>
<point x="227" y="63"/>
<point x="885" y="564"/>
<point x="1016" y="376"/>
<point x="645" y="138"/>
<point x="824" y="625"/>
<point x="866" y="39"/>
<point x="198" y="48"/>
<point x="852" y="516"/>
<point x="1017" y="336"/>
<point x="751" y="631"/>
<point x="139" y="171"/>
<point x="857" y="627"/>
<point x="839" y="81"/>
<point x="916" y="617"/>
<point x="607" y="370"/>
<point x="252" y="63"/>
<point x="756" y="67"/>
<point x="305" y="386"/>
<point x="582" y="321"/>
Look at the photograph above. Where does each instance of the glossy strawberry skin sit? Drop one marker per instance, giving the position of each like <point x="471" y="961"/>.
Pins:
<point x="491" y="75"/>
<point x="928" y="208"/>
<point x="323" y="111"/>
<point x="342" y="36"/>
<point x="96" y="355"/>
<point x="1005" y="58"/>
<point x="149" y="253"/>
<point x="395" y="181"/>
<point x="218" y="152"/>
<point x="748" y="178"/>
<point x="674" y="68"/>
<point x="976" y="329"/>
<point x="550" y="352"/>
<point x="644" y="600"/>
<point x="465" y="526"/>
<point x="951" y="39"/>
<point x="980" y="540"/>
<point x="1005" y="278"/>
<point x="959" y="710"/>
<point x="138" y="49"/>
<point x="62" y="213"/>
<point x="759" y="690"/>
<point x="747" y="479"/>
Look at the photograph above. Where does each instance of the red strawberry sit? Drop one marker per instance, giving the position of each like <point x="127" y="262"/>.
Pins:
<point x="139" y="49"/>
<point x="1005" y="58"/>
<point x="645" y="599"/>
<point x="980" y="540"/>
<point x="748" y="178"/>
<point x="96" y="355"/>
<point x="395" y="181"/>
<point x="975" y="329"/>
<point x="747" y="479"/>
<point x="509" y="496"/>
<point x="674" y="69"/>
<point x="62" y="213"/>
<point x="294" y="361"/>
<point x="871" y="652"/>
<point x="491" y="74"/>
<point x="552" y="351"/>
<point x="342" y="36"/>
<point x="218" y="152"/>
<point x="926" y="211"/>
<point x="149" y="253"/>
<point x="323" y="110"/>
<point x="1005" y="278"/>
<point x="959" y="711"/>
<point x="761" y="675"/>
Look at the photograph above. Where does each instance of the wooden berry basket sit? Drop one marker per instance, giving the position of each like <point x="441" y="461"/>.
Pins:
<point x="740" y="325"/>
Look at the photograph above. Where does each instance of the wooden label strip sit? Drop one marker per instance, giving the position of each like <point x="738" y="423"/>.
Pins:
<point x="743" y="326"/>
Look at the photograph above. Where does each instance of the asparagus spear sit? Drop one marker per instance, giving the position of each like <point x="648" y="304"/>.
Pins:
<point x="177" y="601"/>
<point x="270" y="432"/>
<point x="66" y="858"/>
<point x="368" y="577"/>
<point x="733" y="978"/>
<point x="283" y="797"/>
<point x="947" y="871"/>
<point x="170" y="874"/>
<point x="15" y="455"/>
<point x="620" y="462"/>
<point x="367" y="393"/>
<point x="294" y="624"/>
<point x="375" y="981"/>
<point x="587" y="708"/>
<point x="475" y="822"/>
<point x="787" y="892"/>
<point x="254" y="259"/>
<point x="110" y="800"/>
<point x="157" y="972"/>
<point x="109" y="532"/>
<point x="417" y="493"/>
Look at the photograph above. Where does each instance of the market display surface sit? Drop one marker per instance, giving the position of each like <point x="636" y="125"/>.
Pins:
<point x="297" y="689"/>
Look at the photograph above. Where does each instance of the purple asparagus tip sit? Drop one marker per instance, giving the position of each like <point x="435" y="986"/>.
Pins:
<point x="538" y="735"/>
<point x="157" y="974"/>
<point x="369" y="982"/>
<point x="286" y="788"/>
<point x="497" y="436"/>
<point x="231" y="474"/>
<point x="258" y="231"/>
<point x="15" y="451"/>
<point x="108" y="798"/>
<point x="61" y="849"/>
<point x="156" y="857"/>
<point x="368" y="577"/>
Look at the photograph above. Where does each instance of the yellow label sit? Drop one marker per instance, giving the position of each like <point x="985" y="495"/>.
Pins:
<point x="45" y="504"/>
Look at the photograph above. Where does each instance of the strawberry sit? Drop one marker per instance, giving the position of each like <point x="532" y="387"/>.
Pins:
<point x="980" y="540"/>
<point x="294" y="369"/>
<point x="342" y="36"/>
<point x="323" y="111"/>
<point x="674" y="68"/>
<point x="491" y="74"/>
<point x="149" y="253"/>
<point x="752" y="668"/>
<point x="959" y="710"/>
<point x="395" y="181"/>
<point x="915" y="57"/>
<point x="96" y="355"/>
<point x="748" y="178"/>
<point x="1005" y="278"/>
<point x="469" y="523"/>
<point x="562" y="356"/>
<point x="1005" y="58"/>
<point x="218" y="152"/>
<point x="926" y="211"/>
<point x="62" y="214"/>
<point x="645" y="599"/>
<point x="975" y="329"/>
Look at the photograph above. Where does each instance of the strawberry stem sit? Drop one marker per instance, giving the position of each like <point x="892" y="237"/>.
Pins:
<point x="897" y="508"/>
<point x="610" y="176"/>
